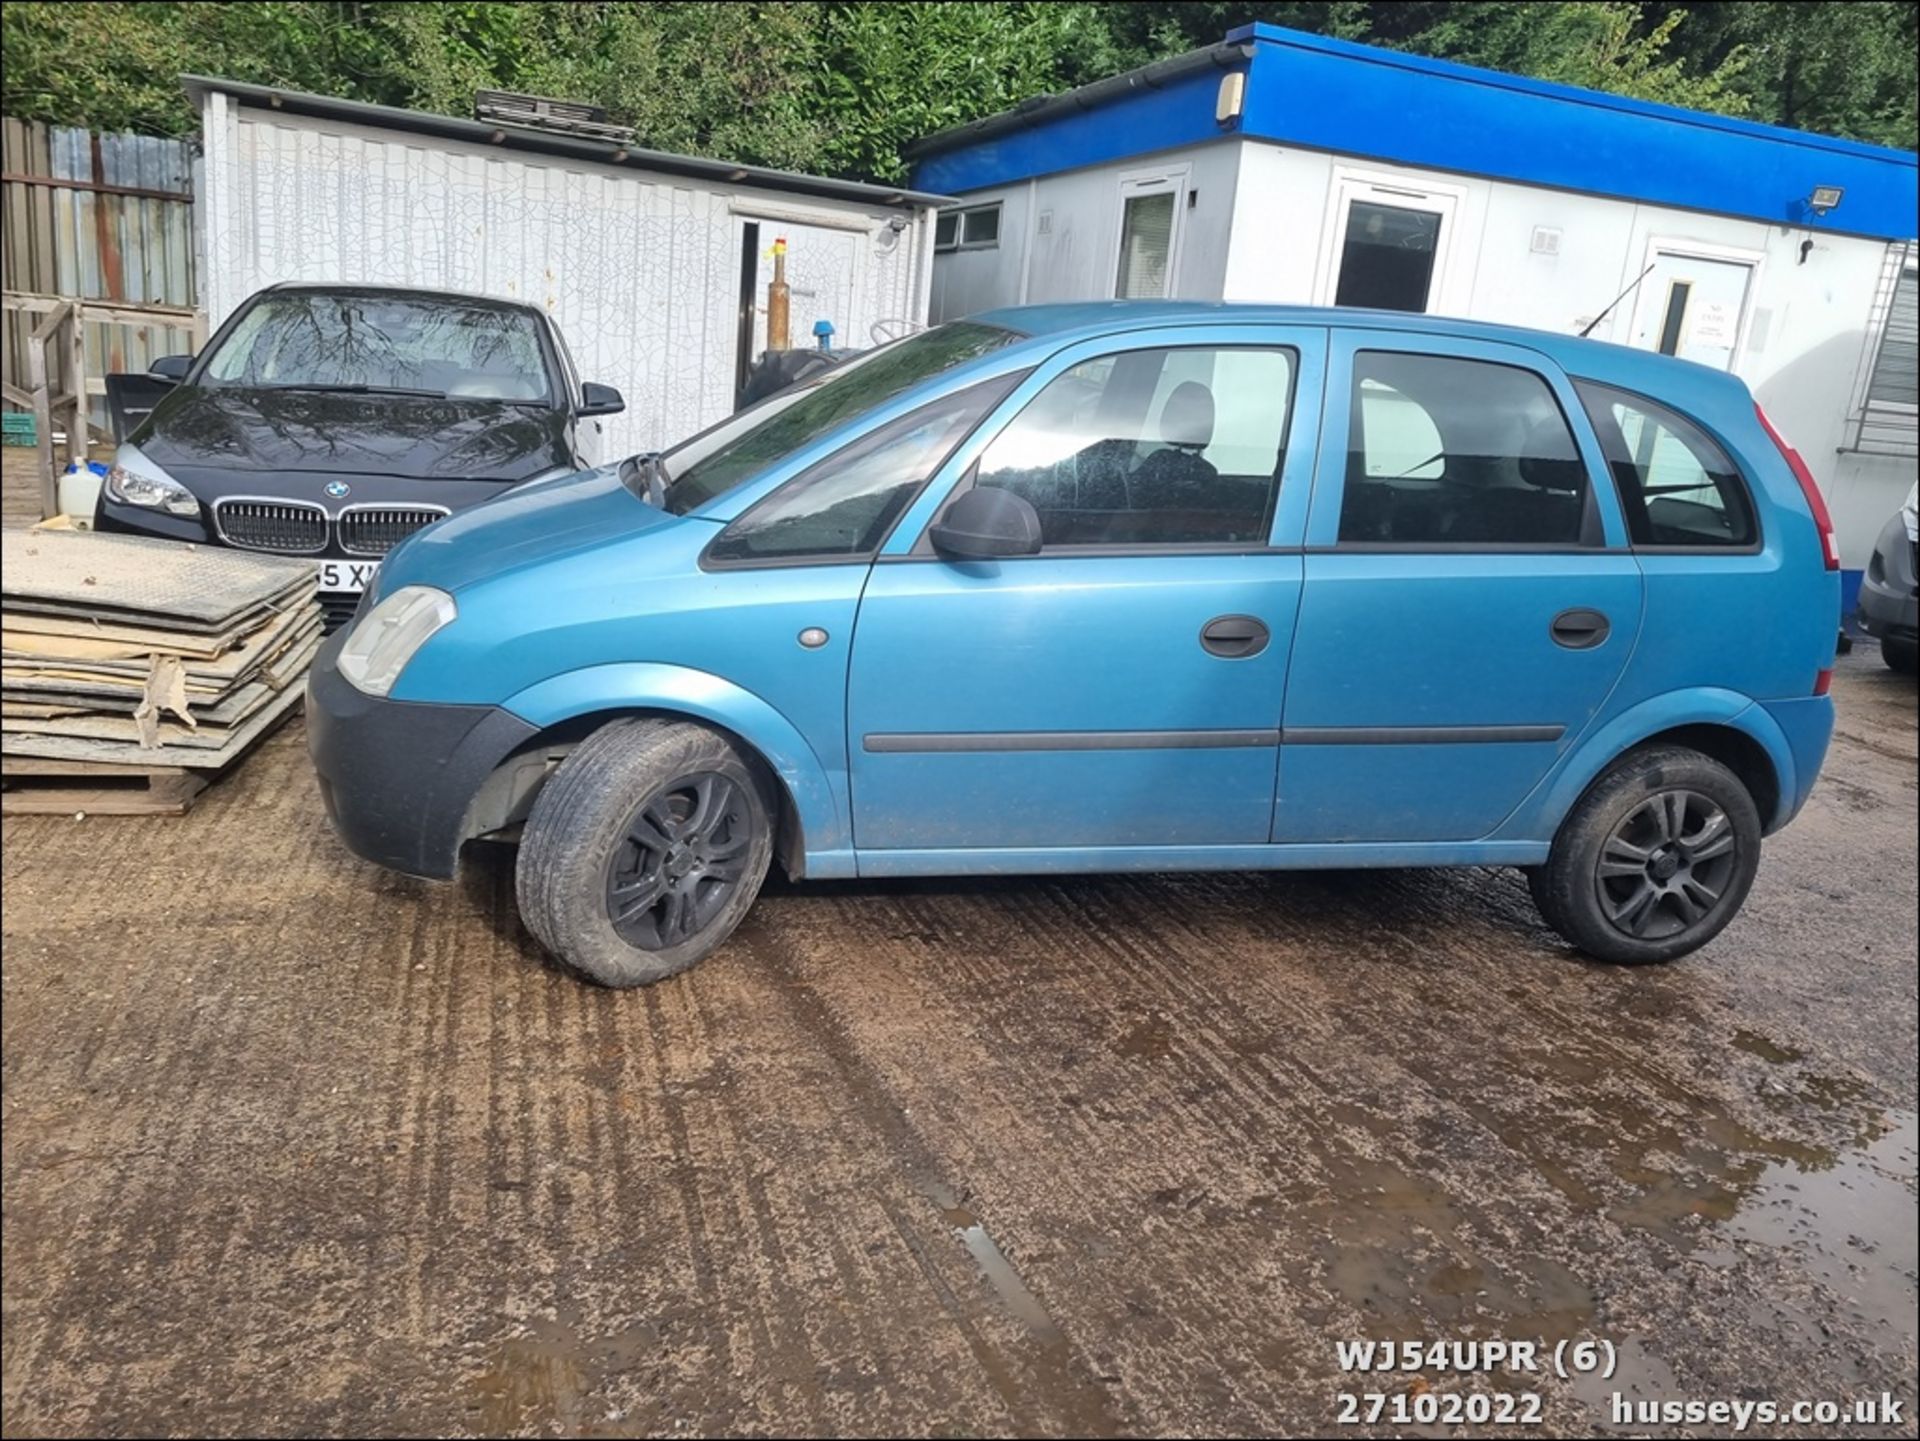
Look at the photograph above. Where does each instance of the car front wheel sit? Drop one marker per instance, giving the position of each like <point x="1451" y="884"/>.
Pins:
<point x="1901" y="656"/>
<point x="644" y="850"/>
<point x="1655" y="859"/>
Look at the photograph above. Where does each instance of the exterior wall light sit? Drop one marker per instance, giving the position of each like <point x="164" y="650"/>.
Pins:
<point x="1824" y="198"/>
<point x="1231" y="99"/>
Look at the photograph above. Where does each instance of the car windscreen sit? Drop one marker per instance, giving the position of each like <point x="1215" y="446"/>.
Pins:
<point x="841" y="395"/>
<point x="400" y="344"/>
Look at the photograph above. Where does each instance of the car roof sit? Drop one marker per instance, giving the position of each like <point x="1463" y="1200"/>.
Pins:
<point x="412" y="292"/>
<point x="1090" y="319"/>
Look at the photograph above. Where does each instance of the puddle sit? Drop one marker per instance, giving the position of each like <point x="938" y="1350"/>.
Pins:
<point x="1019" y="1302"/>
<point x="1772" y="1052"/>
<point x="545" y="1377"/>
<point x="1851" y="1223"/>
<point x="1639" y="1375"/>
<point x="536" y="1377"/>
<point x="1848" y="1221"/>
<point x="1152" y="1039"/>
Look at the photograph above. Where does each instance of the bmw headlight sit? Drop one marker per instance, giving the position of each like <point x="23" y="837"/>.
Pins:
<point x="384" y="639"/>
<point x="135" y="480"/>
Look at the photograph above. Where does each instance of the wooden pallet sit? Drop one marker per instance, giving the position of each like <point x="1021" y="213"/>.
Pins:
<point x="37" y="786"/>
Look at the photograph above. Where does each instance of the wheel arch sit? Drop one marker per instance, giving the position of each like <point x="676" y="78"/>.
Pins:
<point x="567" y="708"/>
<point x="1730" y="727"/>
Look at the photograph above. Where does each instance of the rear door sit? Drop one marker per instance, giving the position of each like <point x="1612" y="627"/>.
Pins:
<point x="1122" y="688"/>
<point x="1469" y="599"/>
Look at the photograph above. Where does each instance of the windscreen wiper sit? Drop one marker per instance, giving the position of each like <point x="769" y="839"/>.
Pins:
<point x="362" y="390"/>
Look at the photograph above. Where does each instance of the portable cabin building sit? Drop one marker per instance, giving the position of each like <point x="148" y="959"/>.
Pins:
<point x="1286" y="167"/>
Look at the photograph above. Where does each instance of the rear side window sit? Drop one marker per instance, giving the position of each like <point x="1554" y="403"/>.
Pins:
<point x="1677" y="486"/>
<point x="1444" y="451"/>
<point x="842" y="507"/>
<point x="1181" y="446"/>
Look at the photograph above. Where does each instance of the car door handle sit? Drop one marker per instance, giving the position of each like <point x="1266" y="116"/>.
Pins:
<point x="1234" y="637"/>
<point x="1580" y="629"/>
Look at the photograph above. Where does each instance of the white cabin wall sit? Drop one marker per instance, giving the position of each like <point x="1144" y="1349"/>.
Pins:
<point x="968" y="281"/>
<point x="1060" y="235"/>
<point x="641" y="270"/>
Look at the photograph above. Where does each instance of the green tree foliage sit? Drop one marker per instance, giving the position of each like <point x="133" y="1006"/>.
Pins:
<point x="840" y="88"/>
<point x="1838" y="69"/>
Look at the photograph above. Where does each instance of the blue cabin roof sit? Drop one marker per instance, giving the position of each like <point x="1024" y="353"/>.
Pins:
<point x="1332" y="95"/>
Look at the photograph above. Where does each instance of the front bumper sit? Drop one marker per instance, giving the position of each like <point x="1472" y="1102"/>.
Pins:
<point x="1889" y="592"/>
<point x="397" y="777"/>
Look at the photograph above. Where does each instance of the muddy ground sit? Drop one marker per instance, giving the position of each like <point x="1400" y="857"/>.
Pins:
<point x="295" y="1145"/>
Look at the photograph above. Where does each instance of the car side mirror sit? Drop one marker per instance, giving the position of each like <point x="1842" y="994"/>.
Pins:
<point x="985" y="523"/>
<point x="171" y="368"/>
<point x="598" y="399"/>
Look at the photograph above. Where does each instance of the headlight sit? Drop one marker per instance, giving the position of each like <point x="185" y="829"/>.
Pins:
<point x="135" y="480"/>
<point x="384" y="639"/>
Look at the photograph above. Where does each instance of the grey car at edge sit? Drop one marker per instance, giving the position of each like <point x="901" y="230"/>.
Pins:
<point x="1890" y="592"/>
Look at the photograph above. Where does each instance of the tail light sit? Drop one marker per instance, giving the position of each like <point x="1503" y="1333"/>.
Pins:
<point x="1816" y="502"/>
<point x="1823" y="681"/>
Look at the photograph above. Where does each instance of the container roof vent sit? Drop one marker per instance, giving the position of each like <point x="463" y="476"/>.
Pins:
<point x="541" y="112"/>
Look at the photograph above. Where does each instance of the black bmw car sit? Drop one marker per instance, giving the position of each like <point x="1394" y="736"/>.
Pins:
<point x="334" y="421"/>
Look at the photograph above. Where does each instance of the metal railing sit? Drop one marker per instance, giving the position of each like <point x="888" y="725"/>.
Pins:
<point x="58" y="390"/>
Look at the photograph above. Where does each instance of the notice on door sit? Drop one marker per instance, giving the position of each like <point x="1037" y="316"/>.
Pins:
<point x="1713" y="325"/>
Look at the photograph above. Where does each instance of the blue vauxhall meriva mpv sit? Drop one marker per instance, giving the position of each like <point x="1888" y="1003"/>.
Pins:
<point x="1115" y="587"/>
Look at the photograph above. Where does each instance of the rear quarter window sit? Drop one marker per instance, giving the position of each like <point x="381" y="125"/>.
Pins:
<point x="1678" y="487"/>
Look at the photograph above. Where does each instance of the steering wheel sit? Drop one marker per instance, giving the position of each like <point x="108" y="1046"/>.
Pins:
<point x="882" y="331"/>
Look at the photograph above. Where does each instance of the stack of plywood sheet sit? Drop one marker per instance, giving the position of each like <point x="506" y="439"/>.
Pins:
<point x="122" y="656"/>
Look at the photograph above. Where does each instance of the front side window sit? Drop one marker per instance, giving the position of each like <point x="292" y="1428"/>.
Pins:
<point x="716" y="461"/>
<point x="1151" y="447"/>
<point x="1677" y="486"/>
<point x="843" y="507"/>
<point x="311" y="341"/>
<point x="1450" y="452"/>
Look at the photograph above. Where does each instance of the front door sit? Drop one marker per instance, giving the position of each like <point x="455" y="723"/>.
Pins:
<point x="1469" y="600"/>
<point x="1692" y="306"/>
<point x="1123" y="687"/>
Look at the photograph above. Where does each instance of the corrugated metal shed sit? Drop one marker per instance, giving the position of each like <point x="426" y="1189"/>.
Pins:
<point x="639" y="258"/>
<point x="98" y="217"/>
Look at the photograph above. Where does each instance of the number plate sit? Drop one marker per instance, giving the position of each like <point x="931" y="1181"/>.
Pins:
<point x="352" y="576"/>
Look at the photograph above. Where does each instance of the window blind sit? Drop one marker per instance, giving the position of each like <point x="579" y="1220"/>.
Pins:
<point x="1146" y="245"/>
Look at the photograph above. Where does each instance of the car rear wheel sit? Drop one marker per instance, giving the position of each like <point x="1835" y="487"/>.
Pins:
<point x="644" y="850"/>
<point x="1902" y="656"/>
<point x="1655" y="859"/>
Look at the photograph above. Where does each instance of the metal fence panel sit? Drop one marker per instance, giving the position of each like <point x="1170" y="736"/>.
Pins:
<point x="97" y="217"/>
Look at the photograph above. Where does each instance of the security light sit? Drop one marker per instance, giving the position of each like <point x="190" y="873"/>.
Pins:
<point x="1231" y="99"/>
<point x="1824" y="198"/>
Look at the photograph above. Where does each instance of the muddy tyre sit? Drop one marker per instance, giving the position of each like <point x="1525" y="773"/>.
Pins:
<point x="644" y="850"/>
<point x="1654" y="860"/>
<point x="1901" y="656"/>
